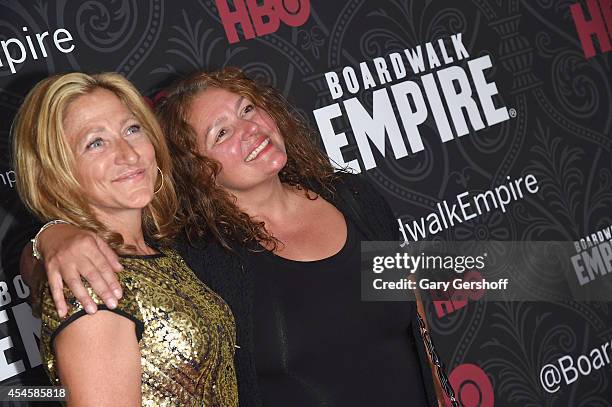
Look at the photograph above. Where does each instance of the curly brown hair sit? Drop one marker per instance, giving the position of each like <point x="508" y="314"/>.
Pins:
<point x="205" y="207"/>
<point x="44" y="163"/>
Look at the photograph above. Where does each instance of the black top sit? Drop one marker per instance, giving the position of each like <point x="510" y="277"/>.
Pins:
<point x="318" y="344"/>
<point x="229" y="276"/>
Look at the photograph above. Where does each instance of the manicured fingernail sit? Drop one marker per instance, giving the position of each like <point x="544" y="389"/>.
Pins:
<point x="112" y="303"/>
<point x="117" y="293"/>
<point x="90" y="309"/>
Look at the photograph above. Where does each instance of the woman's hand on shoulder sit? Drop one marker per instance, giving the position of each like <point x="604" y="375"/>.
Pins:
<point x="70" y="253"/>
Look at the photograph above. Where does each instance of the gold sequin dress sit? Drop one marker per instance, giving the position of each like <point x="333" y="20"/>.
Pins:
<point x="186" y="332"/>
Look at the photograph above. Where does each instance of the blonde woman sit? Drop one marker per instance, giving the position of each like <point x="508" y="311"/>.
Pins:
<point x="88" y="151"/>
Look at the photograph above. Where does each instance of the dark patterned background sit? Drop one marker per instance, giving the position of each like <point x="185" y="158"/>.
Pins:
<point x="561" y="134"/>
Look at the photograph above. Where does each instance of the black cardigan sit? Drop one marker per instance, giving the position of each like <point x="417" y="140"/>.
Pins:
<point x="227" y="274"/>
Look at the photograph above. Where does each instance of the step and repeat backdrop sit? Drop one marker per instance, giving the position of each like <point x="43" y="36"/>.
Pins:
<point x="476" y="119"/>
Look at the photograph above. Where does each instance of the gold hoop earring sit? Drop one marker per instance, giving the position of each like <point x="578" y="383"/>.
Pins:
<point x="162" y="181"/>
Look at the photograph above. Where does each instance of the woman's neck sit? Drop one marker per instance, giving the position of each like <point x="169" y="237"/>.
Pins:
<point x="128" y="223"/>
<point x="271" y="201"/>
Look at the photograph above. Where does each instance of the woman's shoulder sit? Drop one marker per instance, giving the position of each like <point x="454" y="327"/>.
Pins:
<point x="358" y="189"/>
<point x="355" y="182"/>
<point x="206" y="250"/>
<point x="218" y="267"/>
<point x="358" y="196"/>
<point x="171" y="253"/>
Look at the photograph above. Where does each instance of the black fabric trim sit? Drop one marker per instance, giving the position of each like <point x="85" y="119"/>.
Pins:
<point x="334" y="261"/>
<point x="142" y="256"/>
<point x="152" y="245"/>
<point x="101" y="307"/>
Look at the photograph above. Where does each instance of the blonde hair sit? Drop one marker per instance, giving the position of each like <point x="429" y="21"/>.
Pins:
<point x="44" y="162"/>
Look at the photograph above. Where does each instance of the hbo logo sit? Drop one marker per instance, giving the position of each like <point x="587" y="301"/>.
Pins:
<point x="261" y="19"/>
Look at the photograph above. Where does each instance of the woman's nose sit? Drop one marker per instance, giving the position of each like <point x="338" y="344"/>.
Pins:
<point x="126" y="152"/>
<point x="249" y="129"/>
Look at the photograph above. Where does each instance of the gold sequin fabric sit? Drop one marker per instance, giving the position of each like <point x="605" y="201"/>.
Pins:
<point x="188" y="333"/>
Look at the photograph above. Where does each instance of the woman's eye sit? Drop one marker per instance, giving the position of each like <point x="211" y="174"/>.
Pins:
<point x="95" y="144"/>
<point x="248" y="108"/>
<point x="133" y="129"/>
<point x="220" y="135"/>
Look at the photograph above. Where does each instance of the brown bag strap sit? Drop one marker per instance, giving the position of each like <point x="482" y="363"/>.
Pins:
<point x="440" y="370"/>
